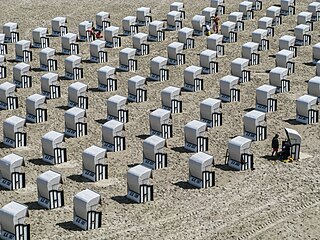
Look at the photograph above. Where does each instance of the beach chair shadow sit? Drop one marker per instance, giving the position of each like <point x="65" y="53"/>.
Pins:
<point x="78" y="178"/>
<point x="68" y="225"/>
<point x="270" y="158"/>
<point x="39" y="162"/>
<point x="292" y="121"/>
<point x="133" y="165"/>
<point x="180" y="150"/>
<point x="122" y="200"/>
<point x="184" y="185"/>
<point x="101" y="121"/>
<point x="225" y="167"/>
<point x="34" y="206"/>
<point x="143" y="136"/>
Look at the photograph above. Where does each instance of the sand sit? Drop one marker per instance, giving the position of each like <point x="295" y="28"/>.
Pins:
<point x="275" y="201"/>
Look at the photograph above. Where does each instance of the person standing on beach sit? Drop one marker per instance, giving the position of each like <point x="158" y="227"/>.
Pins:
<point x="216" y="22"/>
<point x="275" y="144"/>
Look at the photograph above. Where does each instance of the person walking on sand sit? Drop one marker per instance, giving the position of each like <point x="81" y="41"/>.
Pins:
<point x="275" y="144"/>
<point x="216" y="22"/>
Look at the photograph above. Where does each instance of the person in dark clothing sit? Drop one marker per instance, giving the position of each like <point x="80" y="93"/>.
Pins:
<point x="275" y="144"/>
<point x="286" y="150"/>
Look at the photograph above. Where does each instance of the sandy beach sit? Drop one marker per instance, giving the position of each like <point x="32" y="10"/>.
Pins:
<point x="275" y="201"/>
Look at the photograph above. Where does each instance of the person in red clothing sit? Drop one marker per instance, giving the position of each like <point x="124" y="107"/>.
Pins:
<point x="98" y="34"/>
<point x="91" y="32"/>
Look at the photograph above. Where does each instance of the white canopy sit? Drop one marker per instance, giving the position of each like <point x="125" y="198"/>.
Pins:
<point x="84" y="26"/>
<point x="9" y="164"/>
<point x="142" y="12"/>
<point x="253" y="119"/>
<point x="35" y="101"/>
<point x="45" y="54"/>
<point x="76" y="90"/>
<point x="73" y="116"/>
<point x="50" y="141"/>
<point x="159" y="117"/>
<point x="110" y="130"/>
<point x="235" y="16"/>
<point x="227" y="27"/>
<point x="238" y="65"/>
<point x="208" y="107"/>
<point x="176" y="6"/>
<point x="259" y="34"/>
<point x="22" y="45"/>
<point x="304" y="17"/>
<point x="138" y="39"/>
<point x="300" y="30"/>
<point x="71" y="62"/>
<point x="238" y="146"/>
<point x="57" y="22"/>
<point x="126" y="54"/>
<point x="314" y="86"/>
<point x="293" y="136"/>
<point x="38" y="33"/>
<point x="199" y="163"/>
<point x="153" y="145"/>
<point x="276" y="75"/>
<point x="168" y="94"/>
<point x="84" y="201"/>
<point x="6" y="89"/>
<point x="96" y="46"/>
<point x="21" y="69"/>
<point x="213" y="40"/>
<point x="264" y="92"/>
<point x="102" y="16"/>
<point x="115" y="103"/>
<point x="48" y="80"/>
<point x="134" y="83"/>
<point x="249" y="48"/>
<point x="208" y="12"/>
<point x="157" y="63"/>
<point x="12" y="125"/>
<point x="174" y="48"/>
<point x="128" y="21"/>
<point x="184" y="33"/>
<point x="9" y="27"/>
<point x="47" y="181"/>
<point x="12" y="214"/>
<point x="273" y="11"/>
<point x="67" y="39"/>
<point x="265" y="22"/>
<point x="198" y="21"/>
<point x="206" y="57"/>
<point x="305" y="103"/>
<point x="194" y="129"/>
<point x="110" y="32"/>
<point x="155" y="26"/>
<point x="228" y="82"/>
<point x="92" y="156"/>
<point x="172" y="17"/>
<point x="137" y="176"/>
